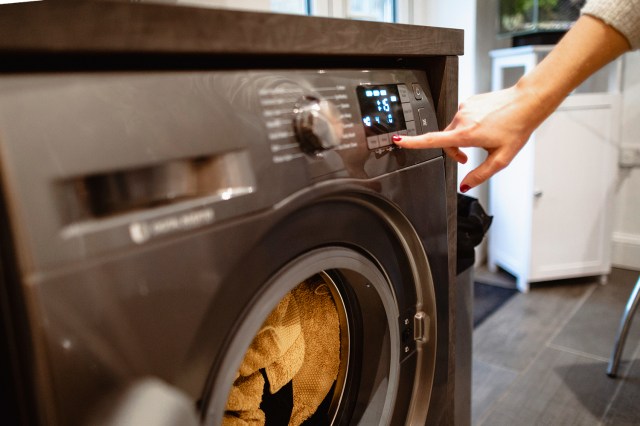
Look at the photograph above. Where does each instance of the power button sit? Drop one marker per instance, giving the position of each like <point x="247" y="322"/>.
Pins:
<point x="417" y="91"/>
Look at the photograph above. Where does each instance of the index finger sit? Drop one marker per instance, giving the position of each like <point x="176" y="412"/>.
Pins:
<point x="443" y="139"/>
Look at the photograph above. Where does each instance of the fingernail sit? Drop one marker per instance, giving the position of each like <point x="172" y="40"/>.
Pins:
<point x="464" y="188"/>
<point x="396" y="138"/>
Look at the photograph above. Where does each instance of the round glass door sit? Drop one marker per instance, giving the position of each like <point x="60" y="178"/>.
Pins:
<point x="321" y="344"/>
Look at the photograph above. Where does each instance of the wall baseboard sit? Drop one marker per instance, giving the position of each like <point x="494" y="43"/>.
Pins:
<point x="626" y="250"/>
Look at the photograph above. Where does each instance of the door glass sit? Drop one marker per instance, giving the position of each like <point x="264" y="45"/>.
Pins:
<point x="372" y="10"/>
<point x="300" y="7"/>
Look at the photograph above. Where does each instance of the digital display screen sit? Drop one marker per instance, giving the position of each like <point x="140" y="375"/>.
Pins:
<point x="381" y="109"/>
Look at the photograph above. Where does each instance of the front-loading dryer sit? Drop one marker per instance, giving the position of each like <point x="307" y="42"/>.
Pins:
<point x="250" y="240"/>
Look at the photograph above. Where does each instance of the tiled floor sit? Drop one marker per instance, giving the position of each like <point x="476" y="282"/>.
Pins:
<point x="541" y="359"/>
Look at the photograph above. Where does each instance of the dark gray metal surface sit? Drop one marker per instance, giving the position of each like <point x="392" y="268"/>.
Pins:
<point x="150" y="194"/>
<point x="150" y="209"/>
<point x="82" y="126"/>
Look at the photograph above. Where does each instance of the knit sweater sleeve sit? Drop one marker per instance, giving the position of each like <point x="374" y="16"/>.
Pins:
<point x="623" y="15"/>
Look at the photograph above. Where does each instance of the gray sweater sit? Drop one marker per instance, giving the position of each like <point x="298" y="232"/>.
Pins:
<point x="623" y="15"/>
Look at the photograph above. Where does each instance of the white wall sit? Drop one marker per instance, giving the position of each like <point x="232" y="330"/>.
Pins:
<point x="626" y="228"/>
<point x="453" y="14"/>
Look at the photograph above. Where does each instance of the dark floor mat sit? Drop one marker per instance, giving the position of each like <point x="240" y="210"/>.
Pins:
<point x="487" y="299"/>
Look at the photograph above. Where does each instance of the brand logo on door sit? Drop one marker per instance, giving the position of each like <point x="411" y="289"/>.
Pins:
<point x="141" y="232"/>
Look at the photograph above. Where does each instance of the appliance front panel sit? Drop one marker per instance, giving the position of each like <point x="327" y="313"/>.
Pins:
<point x="97" y="162"/>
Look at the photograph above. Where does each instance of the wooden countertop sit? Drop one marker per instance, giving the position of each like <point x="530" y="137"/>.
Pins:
<point x="119" y="27"/>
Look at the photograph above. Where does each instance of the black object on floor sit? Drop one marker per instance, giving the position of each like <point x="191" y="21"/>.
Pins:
<point x="487" y="299"/>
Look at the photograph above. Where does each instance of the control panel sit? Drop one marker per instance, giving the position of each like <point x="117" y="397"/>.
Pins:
<point x="307" y="113"/>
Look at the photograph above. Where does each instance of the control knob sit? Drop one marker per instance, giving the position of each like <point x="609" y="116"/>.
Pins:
<point x="317" y="124"/>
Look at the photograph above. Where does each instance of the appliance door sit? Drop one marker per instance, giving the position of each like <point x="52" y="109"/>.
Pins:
<point x="379" y="277"/>
<point x="186" y="310"/>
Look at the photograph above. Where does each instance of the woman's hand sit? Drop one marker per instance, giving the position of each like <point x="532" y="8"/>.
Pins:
<point x="499" y="122"/>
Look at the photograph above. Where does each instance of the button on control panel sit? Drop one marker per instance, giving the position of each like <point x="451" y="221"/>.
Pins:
<point x="417" y="91"/>
<point x="411" y="128"/>
<point x="408" y="111"/>
<point x="404" y="93"/>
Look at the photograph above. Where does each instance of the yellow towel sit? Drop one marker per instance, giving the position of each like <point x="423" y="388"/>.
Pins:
<point x="285" y="368"/>
<point x="278" y="333"/>
<point x="279" y="346"/>
<point x="246" y="393"/>
<point x="299" y="341"/>
<point x="321" y="328"/>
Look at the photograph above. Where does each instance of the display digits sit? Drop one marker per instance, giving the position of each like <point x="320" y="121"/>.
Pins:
<point x="381" y="109"/>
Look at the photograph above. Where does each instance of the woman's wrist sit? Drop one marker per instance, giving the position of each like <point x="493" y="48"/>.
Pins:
<point x="535" y="104"/>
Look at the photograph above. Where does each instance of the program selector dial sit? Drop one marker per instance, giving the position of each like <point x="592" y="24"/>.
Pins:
<point x="316" y="124"/>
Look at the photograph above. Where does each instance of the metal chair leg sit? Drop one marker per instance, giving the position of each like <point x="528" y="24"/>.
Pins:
<point x="623" y="329"/>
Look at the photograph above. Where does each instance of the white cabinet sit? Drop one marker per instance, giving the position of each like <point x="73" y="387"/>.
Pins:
<point x="552" y="206"/>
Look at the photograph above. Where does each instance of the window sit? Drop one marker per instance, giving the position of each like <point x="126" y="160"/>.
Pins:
<point x="372" y="10"/>
<point x="368" y="10"/>
<point x="300" y="7"/>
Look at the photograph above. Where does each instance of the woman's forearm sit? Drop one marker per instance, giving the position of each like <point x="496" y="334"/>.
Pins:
<point x="589" y="45"/>
<point x="501" y="122"/>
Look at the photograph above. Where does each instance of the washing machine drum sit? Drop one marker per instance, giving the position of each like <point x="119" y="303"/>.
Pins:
<point x="330" y="341"/>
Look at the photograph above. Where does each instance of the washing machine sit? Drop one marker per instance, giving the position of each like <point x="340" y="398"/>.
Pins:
<point x="246" y="243"/>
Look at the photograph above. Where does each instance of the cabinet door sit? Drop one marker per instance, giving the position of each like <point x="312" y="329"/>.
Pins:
<point x="574" y="178"/>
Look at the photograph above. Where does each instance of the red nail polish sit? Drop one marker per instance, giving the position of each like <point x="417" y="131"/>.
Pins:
<point x="464" y="188"/>
<point x="396" y="138"/>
